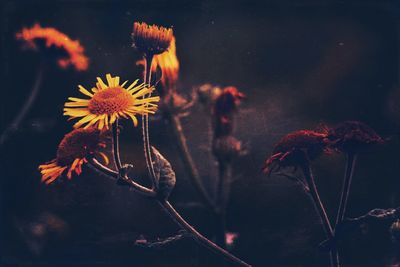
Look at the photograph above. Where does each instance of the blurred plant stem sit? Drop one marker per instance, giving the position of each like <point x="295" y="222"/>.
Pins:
<point x="188" y="161"/>
<point x="223" y="192"/>
<point x="121" y="176"/>
<point x="145" y="122"/>
<point x="308" y="175"/>
<point x="26" y="107"/>
<point x="348" y="176"/>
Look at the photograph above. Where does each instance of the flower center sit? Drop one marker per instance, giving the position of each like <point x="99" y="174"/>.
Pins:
<point x="110" y="100"/>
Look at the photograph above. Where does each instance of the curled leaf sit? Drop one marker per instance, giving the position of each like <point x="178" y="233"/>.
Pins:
<point x="165" y="175"/>
<point x="160" y="242"/>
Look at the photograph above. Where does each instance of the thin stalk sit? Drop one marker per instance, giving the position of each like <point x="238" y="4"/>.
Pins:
<point x="199" y="238"/>
<point x="348" y="176"/>
<point x="26" y="107"/>
<point x="115" y="151"/>
<point x="189" y="162"/>
<point x="145" y="124"/>
<point x="319" y="208"/>
<point x="223" y="191"/>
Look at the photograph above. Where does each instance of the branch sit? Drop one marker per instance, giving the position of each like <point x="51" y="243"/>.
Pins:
<point x="199" y="238"/>
<point x="167" y="207"/>
<point x="97" y="166"/>
<point x="189" y="162"/>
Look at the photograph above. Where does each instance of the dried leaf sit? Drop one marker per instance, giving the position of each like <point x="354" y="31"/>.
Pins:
<point x="165" y="175"/>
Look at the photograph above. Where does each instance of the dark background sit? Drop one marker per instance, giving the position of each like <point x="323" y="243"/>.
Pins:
<point x="299" y="62"/>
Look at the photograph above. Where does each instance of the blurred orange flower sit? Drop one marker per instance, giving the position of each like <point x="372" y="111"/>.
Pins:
<point x="169" y="64"/>
<point x="73" y="52"/>
<point x="72" y="153"/>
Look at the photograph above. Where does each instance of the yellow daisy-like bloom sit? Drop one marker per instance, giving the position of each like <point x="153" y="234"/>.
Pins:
<point x="111" y="101"/>
<point x="72" y="153"/>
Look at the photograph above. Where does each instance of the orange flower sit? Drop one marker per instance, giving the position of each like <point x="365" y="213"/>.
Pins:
<point x="53" y="38"/>
<point x="72" y="153"/>
<point x="151" y="39"/>
<point x="169" y="64"/>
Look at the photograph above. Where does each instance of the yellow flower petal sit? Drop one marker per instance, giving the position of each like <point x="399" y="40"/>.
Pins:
<point x="84" y="91"/>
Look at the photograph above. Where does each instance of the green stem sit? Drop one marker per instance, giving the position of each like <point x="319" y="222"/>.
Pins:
<point x="145" y="125"/>
<point x="115" y="151"/>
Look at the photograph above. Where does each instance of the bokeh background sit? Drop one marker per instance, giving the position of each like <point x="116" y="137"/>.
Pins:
<point x="300" y="62"/>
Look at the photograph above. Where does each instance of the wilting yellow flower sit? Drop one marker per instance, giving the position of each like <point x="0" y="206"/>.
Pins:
<point x="72" y="153"/>
<point x="151" y="39"/>
<point x="71" y="51"/>
<point x="169" y="64"/>
<point x="109" y="102"/>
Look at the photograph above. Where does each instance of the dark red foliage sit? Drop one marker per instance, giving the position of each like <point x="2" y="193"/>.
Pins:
<point x="297" y="148"/>
<point x="225" y="105"/>
<point x="353" y="136"/>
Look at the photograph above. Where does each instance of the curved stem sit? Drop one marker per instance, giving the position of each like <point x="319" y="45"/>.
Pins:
<point x="115" y="151"/>
<point x="199" y="238"/>
<point x="94" y="164"/>
<point x="26" y="106"/>
<point x="320" y="208"/>
<point x="145" y="125"/>
<point x="189" y="162"/>
<point x="348" y="175"/>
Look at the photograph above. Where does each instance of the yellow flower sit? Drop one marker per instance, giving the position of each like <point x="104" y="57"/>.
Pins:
<point x="109" y="102"/>
<point x="72" y="153"/>
<point x="151" y="39"/>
